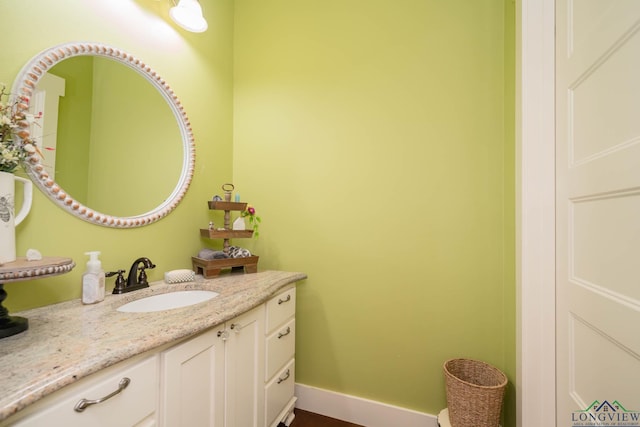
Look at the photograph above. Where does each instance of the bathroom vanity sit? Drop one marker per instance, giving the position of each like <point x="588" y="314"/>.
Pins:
<point x="228" y="361"/>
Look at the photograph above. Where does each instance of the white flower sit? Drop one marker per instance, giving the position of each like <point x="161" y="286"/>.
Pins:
<point x="9" y="155"/>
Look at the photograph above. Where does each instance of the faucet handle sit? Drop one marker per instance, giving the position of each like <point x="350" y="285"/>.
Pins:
<point x="142" y="274"/>
<point x="120" y="283"/>
<point x="142" y="277"/>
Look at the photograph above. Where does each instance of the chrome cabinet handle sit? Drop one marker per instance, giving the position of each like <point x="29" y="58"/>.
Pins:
<point x="285" y="333"/>
<point x="287" y="299"/>
<point x="85" y="403"/>
<point x="223" y="334"/>
<point x="286" y="377"/>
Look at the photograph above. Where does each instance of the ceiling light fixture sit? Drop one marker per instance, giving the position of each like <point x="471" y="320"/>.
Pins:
<point x="188" y="15"/>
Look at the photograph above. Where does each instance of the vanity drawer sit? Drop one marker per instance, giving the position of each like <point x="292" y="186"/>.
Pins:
<point x="136" y="404"/>
<point x="279" y="391"/>
<point x="281" y="346"/>
<point x="280" y="308"/>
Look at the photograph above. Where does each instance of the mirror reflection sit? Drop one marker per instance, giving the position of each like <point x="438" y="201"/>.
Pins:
<point x="113" y="143"/>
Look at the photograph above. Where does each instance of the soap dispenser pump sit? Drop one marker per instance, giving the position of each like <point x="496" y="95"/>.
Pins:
<point x="93" y="280"/>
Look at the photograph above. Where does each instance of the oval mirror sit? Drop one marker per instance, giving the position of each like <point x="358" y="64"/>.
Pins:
<point x="116" y="144"/>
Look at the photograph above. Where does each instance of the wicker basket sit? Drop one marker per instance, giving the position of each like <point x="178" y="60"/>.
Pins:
<point x="474" y="393"/>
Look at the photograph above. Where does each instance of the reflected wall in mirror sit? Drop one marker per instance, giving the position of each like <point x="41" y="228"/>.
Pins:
<point x="123" y="153"/>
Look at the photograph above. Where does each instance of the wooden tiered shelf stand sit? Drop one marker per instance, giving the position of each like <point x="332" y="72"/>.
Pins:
<point x="212" y="268"/>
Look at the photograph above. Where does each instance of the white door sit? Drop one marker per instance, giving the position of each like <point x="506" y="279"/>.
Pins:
<point x="598" y="211"/>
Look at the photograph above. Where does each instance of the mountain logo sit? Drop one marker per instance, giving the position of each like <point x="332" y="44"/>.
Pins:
<point x="605" y="413"/>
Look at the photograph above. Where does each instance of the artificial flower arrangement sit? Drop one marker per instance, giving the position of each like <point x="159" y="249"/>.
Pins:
<point x="254" y="220"/>
<point x="16" y="144"/>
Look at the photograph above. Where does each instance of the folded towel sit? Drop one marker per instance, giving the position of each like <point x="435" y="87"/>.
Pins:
<point x="211" y="254"/>
<point x="238" y="252"/>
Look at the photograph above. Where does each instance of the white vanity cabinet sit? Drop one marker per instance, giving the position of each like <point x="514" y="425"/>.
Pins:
<point x="135" y="404"/>
<point x="238" y="374"/>
<point x="280" y="333"/>
<point x="215" y="379"/>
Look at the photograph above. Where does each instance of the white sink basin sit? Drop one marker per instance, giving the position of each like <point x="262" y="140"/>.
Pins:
<point x="167" y="301"/>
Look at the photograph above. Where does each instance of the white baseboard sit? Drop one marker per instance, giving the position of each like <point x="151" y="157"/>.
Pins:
<point x="356" y="410"/>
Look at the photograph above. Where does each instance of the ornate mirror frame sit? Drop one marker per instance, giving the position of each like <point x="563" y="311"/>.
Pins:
<point x="26" y="83"/>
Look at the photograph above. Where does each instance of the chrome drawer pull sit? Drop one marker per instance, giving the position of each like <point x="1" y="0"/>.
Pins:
<point x="285" y="333"/>
<point x="85" y="403"/>
<point x="287" y="299"/>
<point x="286" y="377"/>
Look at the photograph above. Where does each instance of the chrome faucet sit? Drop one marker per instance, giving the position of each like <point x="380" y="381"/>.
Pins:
<point x="137" y="278"/>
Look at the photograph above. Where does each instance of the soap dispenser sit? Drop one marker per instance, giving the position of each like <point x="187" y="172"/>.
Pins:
<point x="93" y="280"/>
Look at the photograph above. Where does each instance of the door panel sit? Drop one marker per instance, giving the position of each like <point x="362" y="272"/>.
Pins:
<point x="597" y="97"/>
<point x="603" y="257"/>
<point x="616" y="380"/>
<point x="598" y="204"/>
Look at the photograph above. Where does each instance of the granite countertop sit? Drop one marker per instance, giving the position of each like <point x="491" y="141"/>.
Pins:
<point x="68" y="341"/>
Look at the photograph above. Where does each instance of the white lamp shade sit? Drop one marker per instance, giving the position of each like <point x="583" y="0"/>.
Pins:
<point x="188" y="15"/>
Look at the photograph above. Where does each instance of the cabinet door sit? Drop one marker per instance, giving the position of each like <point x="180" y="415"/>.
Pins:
<point x="193" y="382"/>
<point x="245" y="370"/>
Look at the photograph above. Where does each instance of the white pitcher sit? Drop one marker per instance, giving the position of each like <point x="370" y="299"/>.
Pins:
<point x="8" y="220"/>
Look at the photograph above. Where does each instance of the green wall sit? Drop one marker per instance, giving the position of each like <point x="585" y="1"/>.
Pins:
<point x="371" y="137"/>
<point x="375" y="139"/>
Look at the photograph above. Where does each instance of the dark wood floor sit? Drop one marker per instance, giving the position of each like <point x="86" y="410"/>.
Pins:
<point x="309" y="419"/>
